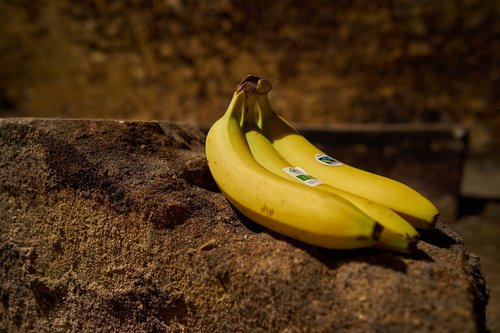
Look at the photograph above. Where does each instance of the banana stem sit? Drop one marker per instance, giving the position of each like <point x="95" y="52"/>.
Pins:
<point x="236" y="105"/>
<point x="249" y="85"/>
<point x="248" y="120"/>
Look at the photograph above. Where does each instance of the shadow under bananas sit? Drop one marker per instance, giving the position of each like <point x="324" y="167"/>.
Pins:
<point x="440" y="236"/>
<point x="375" y="257"/>
<point x="332" y="258"/>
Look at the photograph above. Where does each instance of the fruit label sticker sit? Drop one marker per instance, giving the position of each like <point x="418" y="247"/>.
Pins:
<point x="300" y="174"/>
<point x="327" y="160"/>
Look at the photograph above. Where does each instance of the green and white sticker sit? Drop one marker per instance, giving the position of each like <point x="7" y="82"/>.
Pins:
<point x="327" y="160"/>
<point x="300" y="174"/>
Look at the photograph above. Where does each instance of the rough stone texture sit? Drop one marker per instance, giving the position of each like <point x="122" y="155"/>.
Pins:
<point x="112" y="226"/>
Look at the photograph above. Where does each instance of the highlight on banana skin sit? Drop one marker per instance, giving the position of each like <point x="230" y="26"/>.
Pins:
<point x="274" y="176"/>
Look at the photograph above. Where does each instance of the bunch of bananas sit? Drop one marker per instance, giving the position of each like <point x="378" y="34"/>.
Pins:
<point x="277" y="178"/>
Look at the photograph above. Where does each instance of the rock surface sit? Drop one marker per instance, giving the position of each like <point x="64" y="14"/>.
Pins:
<point x="113" y="226"/>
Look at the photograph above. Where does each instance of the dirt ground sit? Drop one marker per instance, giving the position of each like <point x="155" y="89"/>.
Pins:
<point x="117" y="226"/>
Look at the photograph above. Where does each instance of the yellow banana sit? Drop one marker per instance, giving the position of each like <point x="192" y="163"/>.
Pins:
<point x="296" y="149"/>
<point x="398" y="234"/>
<point x="312" y="216"/>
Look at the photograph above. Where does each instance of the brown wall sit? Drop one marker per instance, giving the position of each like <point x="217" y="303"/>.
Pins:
<point x="330" y="61"/>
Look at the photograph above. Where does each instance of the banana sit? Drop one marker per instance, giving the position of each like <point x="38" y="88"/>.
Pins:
<point x="296" y="149"/>
<point x="398" y="234"/>
<point x="299" y="212"/>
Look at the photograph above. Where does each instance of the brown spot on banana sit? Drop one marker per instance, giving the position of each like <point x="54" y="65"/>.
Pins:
<point x="267" y="211"/>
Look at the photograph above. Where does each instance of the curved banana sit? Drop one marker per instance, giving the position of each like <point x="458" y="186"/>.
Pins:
<point x="398" y="234"/>
<point x="296" y="149"/>
<point x="302" y="213"/>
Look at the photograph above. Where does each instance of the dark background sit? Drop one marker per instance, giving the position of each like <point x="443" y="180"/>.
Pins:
<point x="329" y="61"/>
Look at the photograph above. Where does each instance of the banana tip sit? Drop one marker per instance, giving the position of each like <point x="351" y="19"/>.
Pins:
<point x="412" y="244"/>
<point x="435" y="220"/>
<point x="377" y="231"/>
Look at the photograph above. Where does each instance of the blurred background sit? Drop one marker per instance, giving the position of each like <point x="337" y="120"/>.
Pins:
<point x="332" y="63"/>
